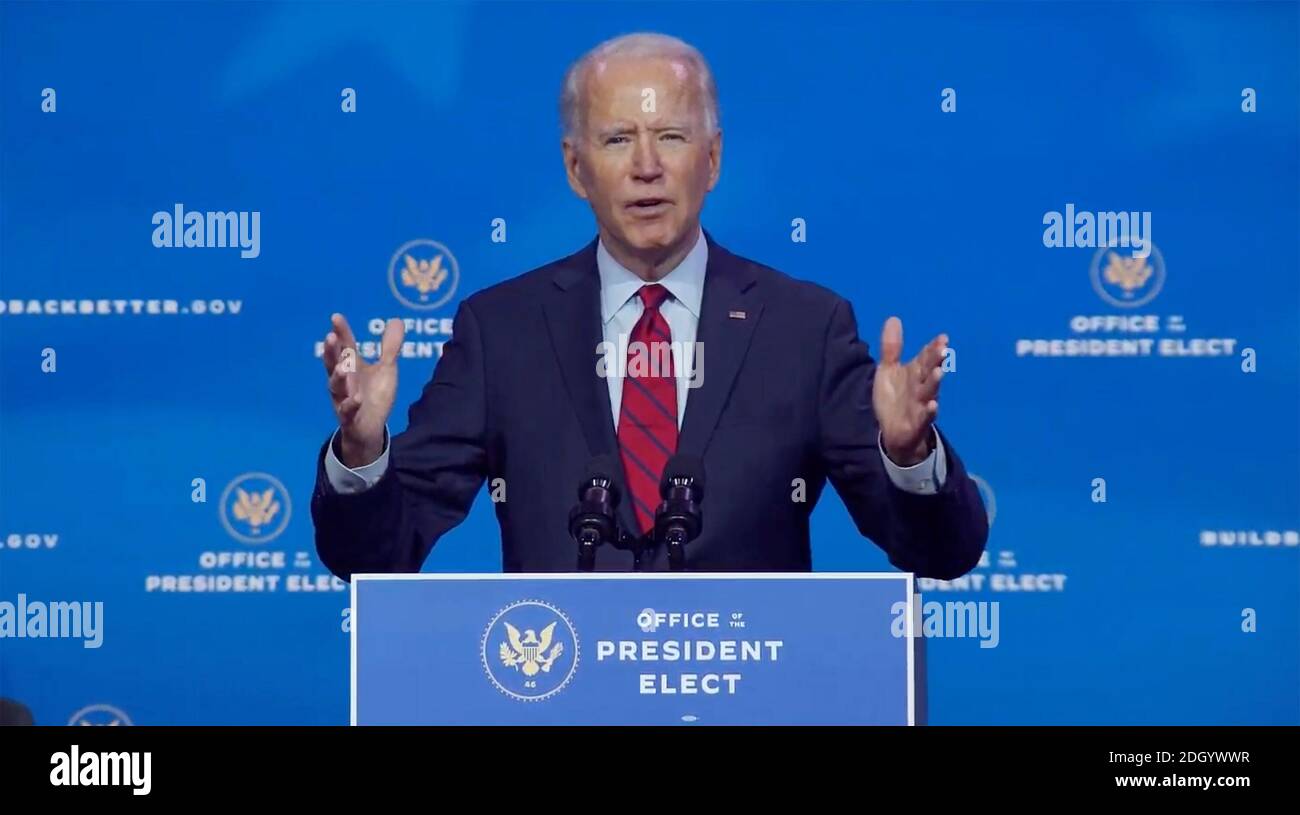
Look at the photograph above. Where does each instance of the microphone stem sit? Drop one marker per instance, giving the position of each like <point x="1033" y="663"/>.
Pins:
<point x="676" y="550"/>
<point x="587" y="550"/>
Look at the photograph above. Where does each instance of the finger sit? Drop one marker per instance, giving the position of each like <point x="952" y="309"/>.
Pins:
<point x="344" y="331"/>
<point x="932" y="354"/>
<point x="929" y="387"/>
<point x="331" y="355"/>
<point x="930" y="378"/>
<point x="394" y="333"/>
<point x="891" y="341"/>
<point x="338" y="383"/>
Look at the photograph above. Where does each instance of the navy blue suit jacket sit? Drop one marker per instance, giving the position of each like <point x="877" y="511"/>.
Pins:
<point x="786" y="394"/>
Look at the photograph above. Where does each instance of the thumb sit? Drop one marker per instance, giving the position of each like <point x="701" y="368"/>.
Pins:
<point x="891" y="341"/>
<point x="391" y="342"/>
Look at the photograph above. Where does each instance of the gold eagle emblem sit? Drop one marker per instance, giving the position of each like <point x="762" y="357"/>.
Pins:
<point x="257" y="509"/>
<point x="530" y="651"/>
<point x="424" y="275"/>
<point x="1129" y="274"/>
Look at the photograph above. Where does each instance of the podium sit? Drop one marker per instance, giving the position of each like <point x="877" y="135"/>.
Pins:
<point x="635" y="649"/>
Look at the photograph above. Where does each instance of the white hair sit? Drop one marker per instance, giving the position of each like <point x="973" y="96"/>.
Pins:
<point x="637" y="45"/>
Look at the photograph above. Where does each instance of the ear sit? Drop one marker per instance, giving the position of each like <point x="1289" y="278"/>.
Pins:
<point x="569" y="147"/>
<point x="715" y="159"/>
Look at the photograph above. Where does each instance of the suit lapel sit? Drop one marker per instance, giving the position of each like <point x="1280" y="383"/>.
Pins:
<point x="729" y="313"/>
<point x="573" y="322"/>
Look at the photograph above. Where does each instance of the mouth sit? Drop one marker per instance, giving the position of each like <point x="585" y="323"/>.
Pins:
<point x="648" y="207"/>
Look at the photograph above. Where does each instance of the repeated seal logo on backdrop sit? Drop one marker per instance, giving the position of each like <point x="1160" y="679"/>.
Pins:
<point x="255" y="508"/>
<point x="423" y="274"/>
<point x="1127" y="278"/>
<point x="100" y="716"/>
<point x="529" y="650"/>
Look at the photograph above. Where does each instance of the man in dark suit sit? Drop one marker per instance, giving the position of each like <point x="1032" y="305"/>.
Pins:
<point x="550" y="369"/>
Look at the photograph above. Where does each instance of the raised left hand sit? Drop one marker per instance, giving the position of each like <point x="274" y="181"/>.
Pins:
<point x="906" y="395"/>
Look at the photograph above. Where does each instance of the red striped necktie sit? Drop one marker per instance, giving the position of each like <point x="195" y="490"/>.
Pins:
<point x="647" y="417"/>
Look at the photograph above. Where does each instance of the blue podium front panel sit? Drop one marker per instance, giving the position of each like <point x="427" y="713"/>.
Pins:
<point x="831" y="648"/>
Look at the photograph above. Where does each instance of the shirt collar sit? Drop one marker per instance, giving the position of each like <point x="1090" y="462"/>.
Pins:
<point x="685" y="283"/>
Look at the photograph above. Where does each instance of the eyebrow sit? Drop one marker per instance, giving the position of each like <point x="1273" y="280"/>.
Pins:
<point x="623" y="129"/>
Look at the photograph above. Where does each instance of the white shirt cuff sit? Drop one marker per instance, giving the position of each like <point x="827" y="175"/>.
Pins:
<point x="925" y="477"/>
<point x="346" y="480"/>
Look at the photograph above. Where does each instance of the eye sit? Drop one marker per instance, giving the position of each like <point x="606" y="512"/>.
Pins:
<point x="677" y="136"/>
<point x="616" y="140"/>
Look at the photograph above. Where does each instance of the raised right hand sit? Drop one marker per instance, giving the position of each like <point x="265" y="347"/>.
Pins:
<point x="362" y="392"/>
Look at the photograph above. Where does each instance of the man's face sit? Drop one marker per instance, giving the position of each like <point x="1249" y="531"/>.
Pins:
<point x="644" y="171"/>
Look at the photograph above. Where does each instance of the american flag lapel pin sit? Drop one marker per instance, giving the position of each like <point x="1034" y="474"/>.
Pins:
<point x="736" y="315"/>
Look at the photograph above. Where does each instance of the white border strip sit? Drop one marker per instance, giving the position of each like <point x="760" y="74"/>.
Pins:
<point x="904" y="576"/>
<point x="352" y="690"/>
<point x="911" y="650"/>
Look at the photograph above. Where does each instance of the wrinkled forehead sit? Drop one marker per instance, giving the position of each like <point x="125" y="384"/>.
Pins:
<point x="621" y="80"/>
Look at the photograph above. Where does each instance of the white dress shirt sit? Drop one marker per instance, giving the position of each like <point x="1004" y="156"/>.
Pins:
<point x="620" y="309"/>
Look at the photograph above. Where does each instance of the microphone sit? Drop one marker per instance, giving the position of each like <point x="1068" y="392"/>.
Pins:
<point x="592" y="520"/>
<point x="678" y="520"/>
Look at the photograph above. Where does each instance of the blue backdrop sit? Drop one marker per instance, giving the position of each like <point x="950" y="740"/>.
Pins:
<point x="833" y="114"/>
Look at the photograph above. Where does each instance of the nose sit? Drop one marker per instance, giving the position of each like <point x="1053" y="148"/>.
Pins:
<point x="645" y="159"/>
